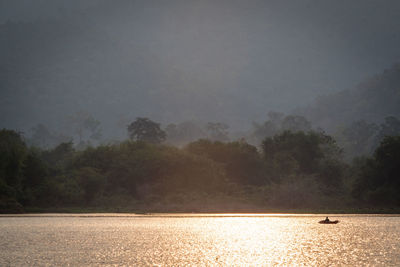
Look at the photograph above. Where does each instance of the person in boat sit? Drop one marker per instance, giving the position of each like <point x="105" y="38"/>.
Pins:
<point x="326" y="219"/>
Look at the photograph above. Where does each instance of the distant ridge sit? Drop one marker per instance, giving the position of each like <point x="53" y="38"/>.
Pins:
<point x="372" y="100"/>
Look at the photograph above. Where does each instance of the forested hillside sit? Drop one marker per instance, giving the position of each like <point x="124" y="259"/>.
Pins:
<point x="292" y="170"/>
<point x="219" y="79"/>
<point x="372" y="100"/>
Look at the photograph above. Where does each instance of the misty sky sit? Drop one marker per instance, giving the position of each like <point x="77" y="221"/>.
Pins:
<point x="229" y="61"/>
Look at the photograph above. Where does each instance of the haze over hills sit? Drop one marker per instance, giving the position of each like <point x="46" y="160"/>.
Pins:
<point x="228" y="61"/>
<point x="240" y="89"/>
<point x="372" y="100"/>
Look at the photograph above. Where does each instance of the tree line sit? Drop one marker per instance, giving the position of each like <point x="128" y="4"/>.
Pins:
<point x="291" y="169"/>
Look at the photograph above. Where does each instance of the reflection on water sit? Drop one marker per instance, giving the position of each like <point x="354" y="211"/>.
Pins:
<point x="180" y="240"/>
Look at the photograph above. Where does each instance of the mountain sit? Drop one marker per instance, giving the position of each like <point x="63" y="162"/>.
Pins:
<point x="372" y="100"/>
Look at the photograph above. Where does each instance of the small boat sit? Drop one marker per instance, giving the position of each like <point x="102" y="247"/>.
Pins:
<point x="328" y="222"/>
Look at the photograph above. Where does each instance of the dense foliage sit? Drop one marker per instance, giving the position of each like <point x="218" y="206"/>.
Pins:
<point x="292" y="170"/>
<point x="378" y="181"/>
<point x="144" y="129"/>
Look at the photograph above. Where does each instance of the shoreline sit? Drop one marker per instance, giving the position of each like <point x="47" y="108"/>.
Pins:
<point x="152" y="211"/>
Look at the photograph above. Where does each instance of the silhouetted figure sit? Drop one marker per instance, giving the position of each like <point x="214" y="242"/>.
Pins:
<point x="327" y="221"/>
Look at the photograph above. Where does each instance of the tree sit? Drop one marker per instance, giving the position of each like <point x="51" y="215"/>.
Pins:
<point x="91" y="181"/>
<point x="35" y="170"/>
<point x="278" y="123"/>
<point x="59" y="157"/>
<point x="83" y="124"/>
<point x="144" y="129"/>
<point x="302" y="147"/>
<point x="358" y="138"/>
<point x="217" y="131"/>
<point x="35" y="175"/>
<point x="378" y="180"/>
<point x="41" y="136"/>
<point x="241" y="161"/>
<point x="12" y="155"/>
<point x="44" y="138"/>
<point x="391" y="127"/>
<point x="184" y="132"/>
<point x="264" y="130"/>
<point x="300" y="153"/>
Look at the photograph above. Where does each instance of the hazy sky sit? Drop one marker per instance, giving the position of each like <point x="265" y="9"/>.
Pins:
<point x="174" y="60"/>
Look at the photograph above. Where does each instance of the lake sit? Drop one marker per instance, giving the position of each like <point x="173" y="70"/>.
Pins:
<point x="205" y="239"/>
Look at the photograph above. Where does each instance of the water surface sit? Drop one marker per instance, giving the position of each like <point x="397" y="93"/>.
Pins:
<point x="208" y="239"/>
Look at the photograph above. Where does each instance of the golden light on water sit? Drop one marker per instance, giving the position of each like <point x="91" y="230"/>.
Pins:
<point x="200" y="240"/>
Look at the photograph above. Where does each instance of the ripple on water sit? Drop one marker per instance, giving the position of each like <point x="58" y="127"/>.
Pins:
<point x="198" y="240"/>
